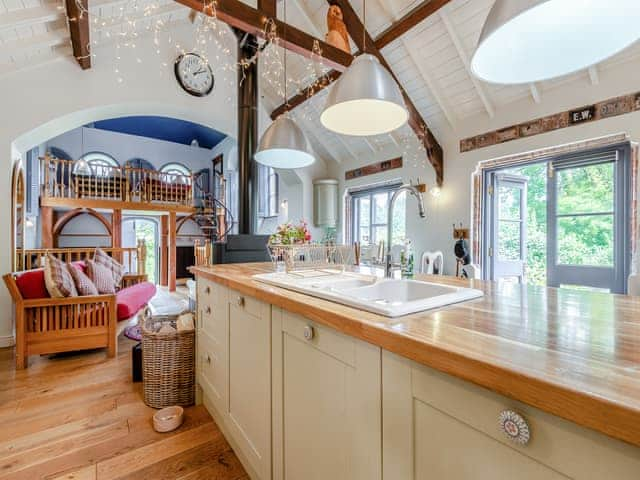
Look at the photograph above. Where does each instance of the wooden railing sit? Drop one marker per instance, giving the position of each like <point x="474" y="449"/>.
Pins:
<point x="203" y="252"/>
<point x="133" y="258"/>
<point x="63" y="179"/>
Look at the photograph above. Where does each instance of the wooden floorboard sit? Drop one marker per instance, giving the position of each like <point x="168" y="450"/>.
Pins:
<point x="79" y="417"/>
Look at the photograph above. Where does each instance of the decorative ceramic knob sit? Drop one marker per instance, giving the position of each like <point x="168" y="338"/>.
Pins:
<point x="515" y="427"/>
<point x="308" y="332"/>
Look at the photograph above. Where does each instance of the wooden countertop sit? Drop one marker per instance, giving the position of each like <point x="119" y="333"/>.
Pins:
<point x="571" y="353"/>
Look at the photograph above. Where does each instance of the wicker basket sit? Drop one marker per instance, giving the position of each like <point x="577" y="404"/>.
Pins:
<point x="168" y="364"/>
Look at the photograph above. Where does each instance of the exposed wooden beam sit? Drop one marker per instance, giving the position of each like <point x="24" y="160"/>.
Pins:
<point x="307" y="93"/>
<point x="251" y="20"/>
<point x="457" y="42"/>
<point x="408" y="21"/>
<point x="366" y="44"/>
<point x="268" y="7"/>
<point x="79" y="30"/>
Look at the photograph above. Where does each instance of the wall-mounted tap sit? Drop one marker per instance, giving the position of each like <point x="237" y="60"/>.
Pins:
<point x="407" y="187"/>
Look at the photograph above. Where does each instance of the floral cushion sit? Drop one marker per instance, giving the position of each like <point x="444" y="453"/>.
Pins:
<point x="57" y="278"/>
<point x="101" y="277"/>
<point x="116" y="268"/>
<point x="83" y="283"/>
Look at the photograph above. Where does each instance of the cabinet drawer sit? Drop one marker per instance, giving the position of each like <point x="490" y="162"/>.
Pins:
<point x="323" y="338"/>
<point x="211" y="370"/>
<point x="248" y="304"/>
<point x="437" y="399"/>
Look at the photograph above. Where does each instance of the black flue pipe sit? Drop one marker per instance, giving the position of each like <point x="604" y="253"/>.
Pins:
<point x="247" y="135"/>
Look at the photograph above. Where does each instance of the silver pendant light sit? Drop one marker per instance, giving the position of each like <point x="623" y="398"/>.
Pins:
<point x="532" y="40"/>
<point x="365" y="100"/>
<point x="284" y="144"/>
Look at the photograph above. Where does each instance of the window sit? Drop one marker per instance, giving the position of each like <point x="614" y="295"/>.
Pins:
<point x="268" y="194"/>
<point x="100" y="164"/>
<point x="368" y="216"/>
<point x="176" y="173"/>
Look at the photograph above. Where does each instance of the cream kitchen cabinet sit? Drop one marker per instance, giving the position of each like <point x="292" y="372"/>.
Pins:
<point x="326" y="403"/>
<point x="440" y="427"/>
<point x="234" y="371"/>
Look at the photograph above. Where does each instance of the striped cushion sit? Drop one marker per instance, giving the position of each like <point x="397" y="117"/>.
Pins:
<point x="101" y="277"/>
<point x="116" y="268"/>
<point x="83" y="283"/>
<point x="57" y="278"/>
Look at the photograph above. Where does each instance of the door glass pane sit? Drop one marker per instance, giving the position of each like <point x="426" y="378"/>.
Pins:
<point x="587" y="189"/>
<point x="398" y="233"/>
<point x="380" y="207"/>
<point x="509" y="241"/>
<point x="363" y="209"/>
<point x="586" y="240"/>
<point x="509" y="205"/>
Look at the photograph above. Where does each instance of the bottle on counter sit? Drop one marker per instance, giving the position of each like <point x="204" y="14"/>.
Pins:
<point x="407" y="260"/>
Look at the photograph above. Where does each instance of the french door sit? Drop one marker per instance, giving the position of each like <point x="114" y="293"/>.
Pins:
<point x="579" y="203"/>
<point x="509" y="232"/>
<point x="587" y="216"/>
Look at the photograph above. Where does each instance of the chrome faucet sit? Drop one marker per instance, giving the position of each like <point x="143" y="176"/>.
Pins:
<point x="407" y="187"/>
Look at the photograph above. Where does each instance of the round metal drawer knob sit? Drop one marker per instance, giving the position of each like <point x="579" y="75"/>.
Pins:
<point x="207" y="310"/>
<point x="240" y="301"/>
<point x="514" y="427"/>
<point x="207" y="290"/>
<point x="308" y="332"/>
<point x="208" y="358"/>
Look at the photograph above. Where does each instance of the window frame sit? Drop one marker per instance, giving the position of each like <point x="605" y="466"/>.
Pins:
<point x="98" y="163"/>
<point x="172" y="169"/>
<point x="268" y="192"/>
<point x="353" y="214"/>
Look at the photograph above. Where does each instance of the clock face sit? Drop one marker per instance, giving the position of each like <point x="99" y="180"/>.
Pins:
<point x="194" y="74"/>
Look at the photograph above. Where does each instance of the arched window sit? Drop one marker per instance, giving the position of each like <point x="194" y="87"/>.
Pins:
<point x="100" y="164"/>
<point x="176" y="173"/>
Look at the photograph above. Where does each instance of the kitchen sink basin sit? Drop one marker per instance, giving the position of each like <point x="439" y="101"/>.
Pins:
<point x="388" y="297"/>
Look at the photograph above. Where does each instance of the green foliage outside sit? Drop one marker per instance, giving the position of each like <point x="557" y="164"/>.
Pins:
<point x="583" y="239"/>
<point x="145" y="230"/>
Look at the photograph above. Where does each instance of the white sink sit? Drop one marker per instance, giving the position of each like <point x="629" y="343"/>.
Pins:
<point x="388" y="297"/>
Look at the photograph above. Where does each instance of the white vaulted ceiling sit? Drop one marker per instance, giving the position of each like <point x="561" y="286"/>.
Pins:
<point x="431" y="60"/>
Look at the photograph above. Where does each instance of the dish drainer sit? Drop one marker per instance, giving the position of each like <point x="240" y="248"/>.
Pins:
<point x="307" y="259"/>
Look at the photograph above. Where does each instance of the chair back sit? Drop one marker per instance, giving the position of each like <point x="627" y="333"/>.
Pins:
<point x="432" y="263"/>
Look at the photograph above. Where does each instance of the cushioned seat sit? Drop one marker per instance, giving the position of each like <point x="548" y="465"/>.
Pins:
<point x="131" y="299"/>
<point x="31" y="283"/>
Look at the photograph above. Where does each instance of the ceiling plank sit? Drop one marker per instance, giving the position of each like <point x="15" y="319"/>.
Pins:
<point x="26" y="17"/>
<point x="79" y="31"/>
<point x="365" y="43"/>
<point x="408" y="21"/>
<point x="251" y="20"/>
<point x="455" y="38"/>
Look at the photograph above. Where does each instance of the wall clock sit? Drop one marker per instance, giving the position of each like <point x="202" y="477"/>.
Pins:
<point x="194" y="74"/>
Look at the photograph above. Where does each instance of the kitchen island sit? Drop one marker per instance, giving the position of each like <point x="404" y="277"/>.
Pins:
<point x="540" y="355"/>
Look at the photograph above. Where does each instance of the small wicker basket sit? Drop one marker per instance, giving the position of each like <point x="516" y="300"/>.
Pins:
<point x="168" y="363"/>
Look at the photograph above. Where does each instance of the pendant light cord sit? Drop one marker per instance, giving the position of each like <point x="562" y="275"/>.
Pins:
<point x="286" y="99"/>
<point x="364" y="26"/>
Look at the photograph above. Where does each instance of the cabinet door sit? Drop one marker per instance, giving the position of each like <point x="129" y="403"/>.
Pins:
<point x="437" y="426"/>
<point x="326" y="403"/>
<point x="249" y="409"/>
<point x="212" y="345"/>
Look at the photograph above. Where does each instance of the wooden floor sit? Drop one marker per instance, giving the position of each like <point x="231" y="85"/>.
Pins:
<point x="80" y="417"/>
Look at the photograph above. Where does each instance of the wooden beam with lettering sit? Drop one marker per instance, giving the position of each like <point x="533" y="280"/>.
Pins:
<point x="251" y="20"/>
<point x="373" y="168"/>
<point x="366" y="44"/>
<point x="77" y="12"/>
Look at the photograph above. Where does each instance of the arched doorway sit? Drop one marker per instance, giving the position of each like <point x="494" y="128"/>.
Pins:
<point x="145" y="228"/>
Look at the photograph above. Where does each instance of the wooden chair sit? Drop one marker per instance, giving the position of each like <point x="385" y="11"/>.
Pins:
<point x="53" y="325"/>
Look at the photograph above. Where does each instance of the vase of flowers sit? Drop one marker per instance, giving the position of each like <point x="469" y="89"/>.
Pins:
<point x="290" y="234"/>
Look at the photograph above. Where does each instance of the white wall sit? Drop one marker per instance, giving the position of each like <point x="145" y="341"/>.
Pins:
<point x="454" y="204"/>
